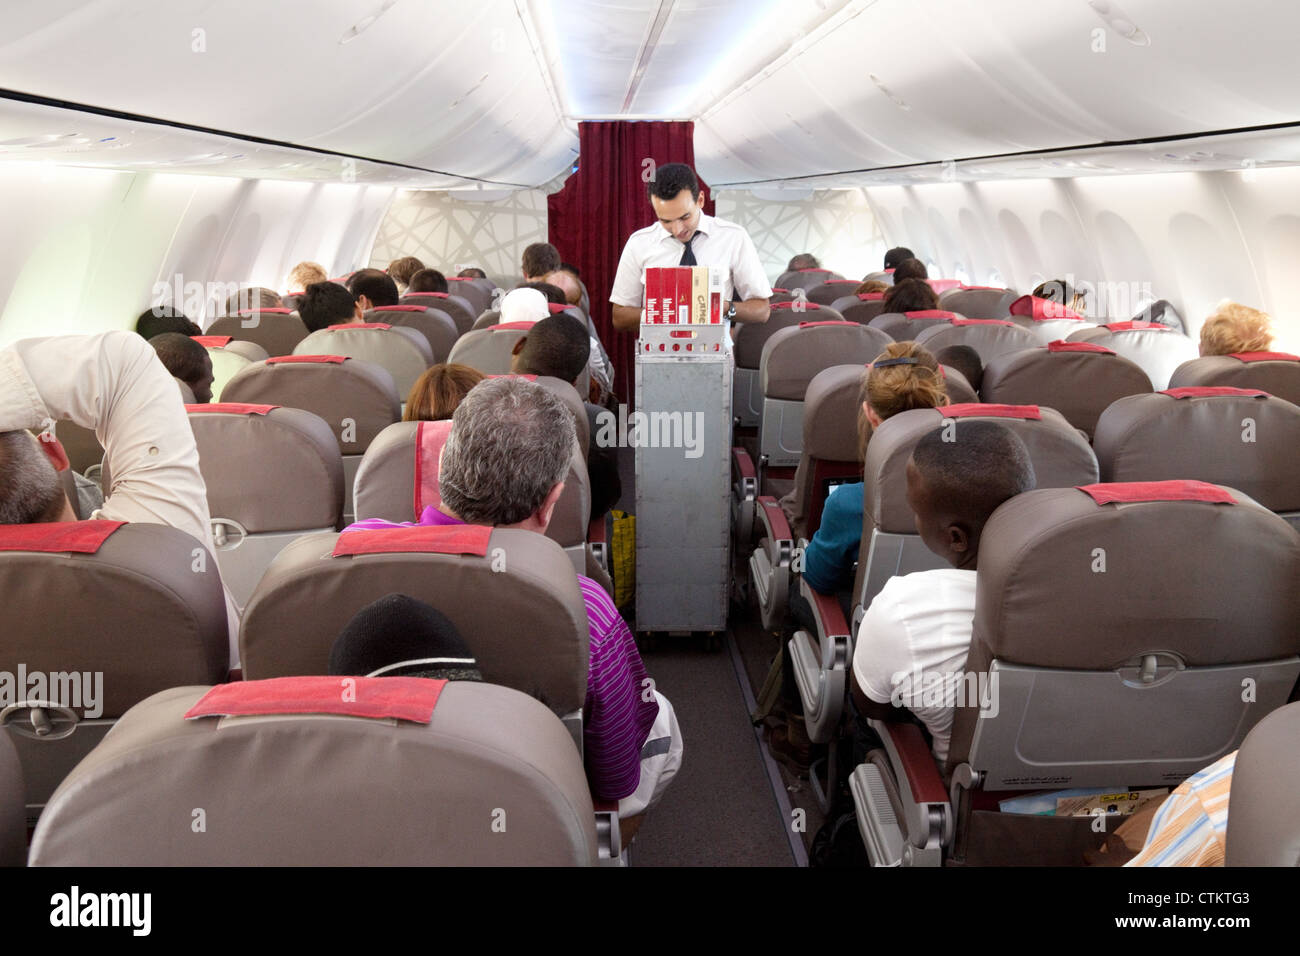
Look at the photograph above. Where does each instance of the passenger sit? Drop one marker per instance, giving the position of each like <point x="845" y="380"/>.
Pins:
<point x="398" y="636"/>
<point x="437" y="392"/>
<point x="559" y="347"/>
<point x="1191" y="826"/>
<point x="804" y="260"/>
<point x="523" y="305"/>
<point x="911" y="295"/>
<point x="427" y="280"/>
<point x="328" y="303"/>
<point x="1058" y="290"/>
<point x="919" y="625"/>
<point x="896" y="255"/>
<point x="188" y="361"/>
<point x="566" y="283"/>
<point x="162" y="319"/>
<point x="539" y="259"/>
<point x="471" y="273"/>
<point x="503" y="465"/>
<point x="910" y="269"/>
<point x="965" y="360"/>
<point x="306" y="273"/>
<point x="872" y="285"/>
<point x="401" y="270"/>
<point x="252" y="298"/>
<point x="554" y="294"/>
<point x="602" y="370"/>
<point x="903" y="377"/>
<point x="373" y="289"/>
<point x="1236" y="328"/>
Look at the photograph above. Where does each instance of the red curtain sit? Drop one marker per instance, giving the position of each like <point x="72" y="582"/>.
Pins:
<point x="603" y="203"/>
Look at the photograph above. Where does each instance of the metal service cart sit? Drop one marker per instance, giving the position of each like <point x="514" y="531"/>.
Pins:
<point x="681" y="430"/>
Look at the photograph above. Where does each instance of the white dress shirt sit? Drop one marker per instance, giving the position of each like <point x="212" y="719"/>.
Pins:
<point x="718" y="244"/>
<point x="114" y="383"/>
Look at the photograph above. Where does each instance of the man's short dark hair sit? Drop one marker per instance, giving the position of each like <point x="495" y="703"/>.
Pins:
<point x="162" y="319"/>
<point x="671" y="178"/>
<point x="804" y="260"/>
<point x="910" y="269"/>
<point x="398" y="636"/>
<point x="471" y="273"/>
<point x="30" y="490"/>
<point x="965" y="360"/>
<point x="911" y="295"/>
<point x="375" y="285"/>
<point x="973" y="467"/>
<point x="554" y="294"/>
<point x="326" y="303"/>
<point x="428" y="280"/>
<point x="557" y="346"/>
<point x="183" y="357"/>
<point x="402" y="269"/>
<point x="253" y="298"/>
<point x="896" y="255"/>
<point x="539" y="259"/>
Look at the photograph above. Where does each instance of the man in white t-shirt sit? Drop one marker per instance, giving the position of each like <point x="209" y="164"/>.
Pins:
<point x="912" y="644"/>
<point x="685" y="236"/>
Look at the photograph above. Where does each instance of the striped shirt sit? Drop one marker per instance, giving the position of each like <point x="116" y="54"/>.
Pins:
<point x="620" y="707"/>
<point x="1190" y="827"/>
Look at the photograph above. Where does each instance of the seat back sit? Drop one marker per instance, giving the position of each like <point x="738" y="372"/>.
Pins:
<point x="489" y="350"/>
<point x="906" y="326"/>
<point x="1157" y="349"/>
<point x="1243" y="438"/>
<point x="435" y="325"/>
<point x="1264" y="805"/>
<point x="82" y="447"/>
<point x="861" y="308"/>
<point x="830" y="443"/>
<point x="517" y="603"/>
<point x="1078" y="379"/>
<point x="790" y="360"/>
<point x="980" y="302"/>
<point x="476" y="292"/>
<point x="13" y="813"/>
<point x="109" y="613"/>
<point x="747" y="389"/>
<point x="890" y="545"/>
<point x="989" y="337"/>
<point x="229" y="358"/>
<point x="805" y="278"/>
<point x="272" y="474"/>
<point x="328" y="788"/>
<point x="276" y="330"/>
<point x="404" y="352"/>
<point x="827" y="292"/>
<point x="1277" y="373"/>
<point x="461" y="312"/>
<point x="486" y="320"/>
<point x="1118" y="650"/>
<point x="356" y="398"/>
<point x="958" y="387"/>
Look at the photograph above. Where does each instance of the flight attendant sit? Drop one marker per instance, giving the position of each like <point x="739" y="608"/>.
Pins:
<point x="685" y="236"/>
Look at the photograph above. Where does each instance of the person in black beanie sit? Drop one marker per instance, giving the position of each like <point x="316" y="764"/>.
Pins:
<point x="398" y="636"/>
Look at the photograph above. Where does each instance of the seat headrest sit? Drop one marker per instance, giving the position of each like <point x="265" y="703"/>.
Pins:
<point x="793" y="356"/>
<point x="518" y="607"/>
<point x="1277" y="376"/>
<point x="1033" y="307"/>
<point x="1060" y="455"/>
<point x="1060" y="345"/>
<point x="387" y="792"/>
<point x="991" y="338"/>
<point x="1059" y="548"/>
<point x="830" y="418"/>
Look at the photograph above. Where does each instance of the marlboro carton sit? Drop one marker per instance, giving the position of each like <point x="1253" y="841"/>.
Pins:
<point x="652" y="297"/>
<point x="699" y="294"/>
<point x="668" y="295"/>
<point x="682" y="314"/>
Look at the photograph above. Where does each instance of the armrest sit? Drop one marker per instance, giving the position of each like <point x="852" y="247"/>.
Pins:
<point x="775" y="525"/>
<point x="596" y="531"/>
<point x="743" y="465"/>
<point x="925" y="798"/>
<point x="609" y="838"/>
<point x="826" y="612"/>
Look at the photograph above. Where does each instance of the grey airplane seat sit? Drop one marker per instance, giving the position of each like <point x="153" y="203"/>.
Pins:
<point x="1078" y="379"/>
<point x="229" y="357"/>
<point x="356" y="398"/>
<point x="1046" y="319"/>
<point x="13" y="811"/>
<point x="490" y="350"/>
<point x="276" y="330"/>
<point x="486" y="320"/>
<point x="85" y="453"/>
<point x="1158" y="349"/>
<point x="403" y="351"/>
<point x="906" y="326"/>
<point x="1084" y="671"/>
<point x="747" y="391"/>
<point x="881" y="275"/>
<point x="272" y="475"/>
<point x="979" y="301"/>
<point x="958" y="387"/>
<point x="1243" y="438"/>
<point x="388" y="771"/>
<point x="461" y="312"/>
<point x="805" y="278"/>
<point x="826" y="293"/>
<point x="1277" y="373"/>
<point x="991" y="338"/>
<point x="398" y="480"/>
<point x="435" y="325"/>
<point x="1264" y="802"/>
<point x="780" y="295"/>
<point x="105" y="613"/>
<point x="476" y="292"/>
<point x="860" y="307"/>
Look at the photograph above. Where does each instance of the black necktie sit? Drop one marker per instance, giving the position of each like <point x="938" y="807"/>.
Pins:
<point x="688" y="254"/>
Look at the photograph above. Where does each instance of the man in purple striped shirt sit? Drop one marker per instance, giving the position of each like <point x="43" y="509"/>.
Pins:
<point x="504" y="465"/>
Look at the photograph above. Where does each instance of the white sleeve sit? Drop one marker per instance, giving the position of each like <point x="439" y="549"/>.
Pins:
<point x="747" y="275"/>
<point x="629" y="281"/>
<point x="882" y="657"/>
<point x="114" y="383"/>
